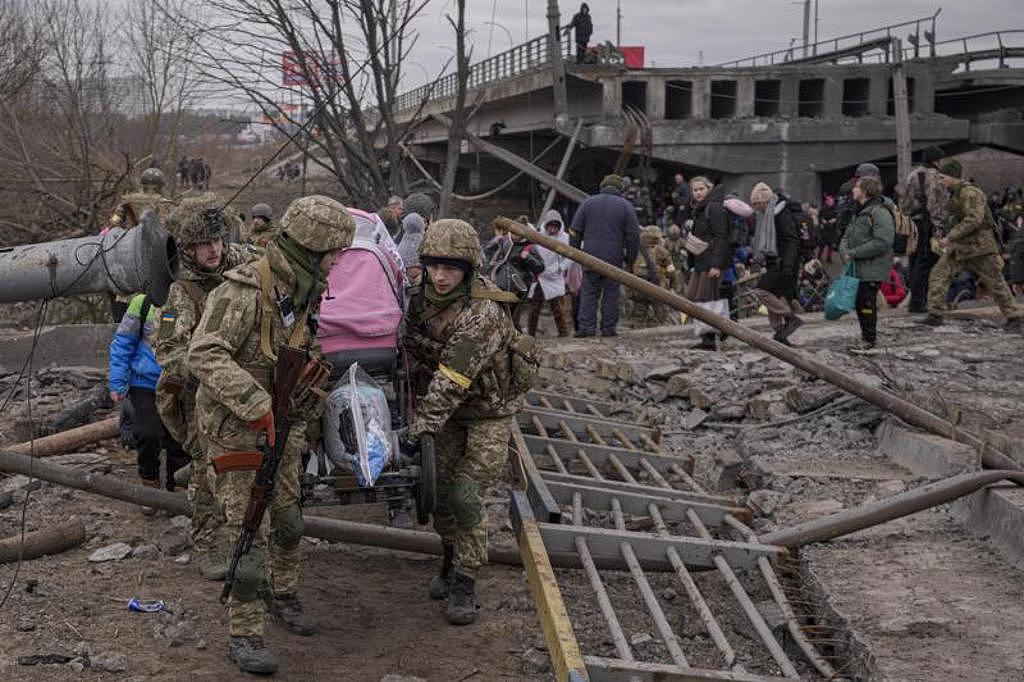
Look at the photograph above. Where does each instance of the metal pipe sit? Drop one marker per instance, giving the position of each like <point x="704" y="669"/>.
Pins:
<point x="865" y="516"/>
<point x="175" y="503"/>
<point x="903" y="409"/>
<point x="749" y="608"/>
<point x="668" y="636"/>
<point x="142" y="259"/>
<point x="693" y="592"/>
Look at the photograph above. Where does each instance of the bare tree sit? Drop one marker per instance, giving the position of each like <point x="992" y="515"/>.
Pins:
<point x="458" y="128"/>
<point x="332" y="64"/>
<point x="158" y="35"/>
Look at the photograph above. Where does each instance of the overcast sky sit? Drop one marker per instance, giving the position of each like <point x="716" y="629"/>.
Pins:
<point x="676" y="32"/>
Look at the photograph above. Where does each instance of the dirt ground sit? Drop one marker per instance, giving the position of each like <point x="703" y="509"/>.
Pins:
<point x="375" y="616"/>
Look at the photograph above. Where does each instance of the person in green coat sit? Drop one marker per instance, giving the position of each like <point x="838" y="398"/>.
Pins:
<point x="867" y="243"/>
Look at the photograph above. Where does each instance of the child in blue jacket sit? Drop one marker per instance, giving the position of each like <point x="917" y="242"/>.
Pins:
<point x="134" y="372"/>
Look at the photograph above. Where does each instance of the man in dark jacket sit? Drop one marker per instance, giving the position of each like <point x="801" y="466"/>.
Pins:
<point x="584" y="28"/>
<point x="606" y="226"/>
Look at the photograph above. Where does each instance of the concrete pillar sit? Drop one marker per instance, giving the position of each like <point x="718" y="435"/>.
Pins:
<point x="656" y="99"/>
<point x="924" y="91"/>
<point x="878" y="92"/>
<point x="789" y="93"/>
<point x="702" y="98"/>
<point x="744" y="97"/>
<point x="611" y="105"/>
<point x="833" y="97"/>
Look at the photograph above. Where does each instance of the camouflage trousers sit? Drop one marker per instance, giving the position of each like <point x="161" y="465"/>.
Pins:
<point x="179" y="417"/>
<point x="987" y="269"/>
<point x="470" y="457"/>
<point x="273" y="561"/>
<point x="646" y="312"/>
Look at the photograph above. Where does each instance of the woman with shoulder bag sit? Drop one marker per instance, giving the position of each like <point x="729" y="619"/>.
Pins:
<point x="708" y="245"/>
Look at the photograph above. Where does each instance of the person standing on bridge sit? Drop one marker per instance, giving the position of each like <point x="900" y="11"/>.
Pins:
<point x="584" y="28"/>
<point x="969" y="244"/>
<point x="708" y="244"/>
<point x="604" y="226"/>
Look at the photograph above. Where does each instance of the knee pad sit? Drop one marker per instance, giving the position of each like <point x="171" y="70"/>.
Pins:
<point x="467" y="502"/>
<point x="249" y="576"/>
<point x="289" y="526"/>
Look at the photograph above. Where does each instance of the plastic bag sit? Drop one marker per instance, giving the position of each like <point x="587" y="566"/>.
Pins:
<point x="719" y="307"/>
<point x="357" y="426"/>
<point x="842" y="294"/>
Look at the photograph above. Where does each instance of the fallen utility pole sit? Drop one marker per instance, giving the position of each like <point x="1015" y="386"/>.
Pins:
<point x="69" y="440"/>
<point x="907" y="411"/>
<point x="876" y="513"/>
<point x="175" y="503"/>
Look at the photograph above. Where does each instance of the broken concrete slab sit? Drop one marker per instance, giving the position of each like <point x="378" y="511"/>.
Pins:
<point x="699" y="399"/>
<point x="998" y="513"/>
<point x="678" y="386"/>
<point x="925" y="454"/>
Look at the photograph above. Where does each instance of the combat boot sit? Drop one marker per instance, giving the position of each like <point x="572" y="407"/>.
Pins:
<point x="462" y="600"/>
<point x="210" y="564"/>
<point x="252" y="656"/>
<point x="288" y="611"/>
<point x="440" y="583"/>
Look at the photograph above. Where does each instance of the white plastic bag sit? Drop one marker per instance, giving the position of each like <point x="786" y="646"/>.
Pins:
<point x="719" y="307"/>
<point x="370" y="419"/>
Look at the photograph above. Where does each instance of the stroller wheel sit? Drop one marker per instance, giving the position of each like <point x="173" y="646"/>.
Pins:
<point x="425" y="490"/>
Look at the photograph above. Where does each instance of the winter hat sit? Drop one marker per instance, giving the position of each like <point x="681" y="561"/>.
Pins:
<point x="612" y="180"/>
<point x="412" y="236"/>
<point x="761" y="194"/>
<point x="952" y="168"/>
<point x="419" y="203"/>
<point x="867" y="170"/>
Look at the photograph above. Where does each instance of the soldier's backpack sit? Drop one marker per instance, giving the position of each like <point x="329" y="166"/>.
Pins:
<point x="524" y="363"/>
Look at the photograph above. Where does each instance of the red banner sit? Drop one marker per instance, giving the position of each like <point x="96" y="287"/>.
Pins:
<point x="293" y="73"/>
<point x="634" y="56"/>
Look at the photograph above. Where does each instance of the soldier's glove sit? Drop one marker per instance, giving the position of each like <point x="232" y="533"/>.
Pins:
<point x="265" y="424"/>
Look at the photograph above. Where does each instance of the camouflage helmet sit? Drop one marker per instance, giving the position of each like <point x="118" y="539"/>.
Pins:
<point x="673" y="231"/>
<point x="152" y="178"/>
<point x="262" y="210"/>
<point x="197" y="219"/>
<point x="318" y="223"/>
<point x="454" y="239"/>
<point x="651" y="234"/>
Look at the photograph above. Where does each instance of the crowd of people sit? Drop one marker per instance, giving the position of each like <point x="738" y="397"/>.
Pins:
<point x="197" y="370"/>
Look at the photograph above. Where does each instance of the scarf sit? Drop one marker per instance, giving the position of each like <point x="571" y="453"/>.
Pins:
<point x="444" y="300"/>
<point x="764" y="244"/>
<point x="298" y="266"/>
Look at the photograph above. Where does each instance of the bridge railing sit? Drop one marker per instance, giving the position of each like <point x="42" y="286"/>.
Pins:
<point x="847" y="45"/>
<point x="523" y="58"/>
<point x="994" y="46"/>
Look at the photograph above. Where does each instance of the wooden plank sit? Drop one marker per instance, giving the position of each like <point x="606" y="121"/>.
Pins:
<point x="563" y="649"/>
<point x="605" y="546"/>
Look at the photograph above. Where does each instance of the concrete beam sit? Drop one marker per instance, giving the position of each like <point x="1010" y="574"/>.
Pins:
<point x="611" y="100"/>
<point x="656" y="99"/>
<point x="789" y="93"/>
<point x="744" y="97"/>
<point x="833" y="97"/>
<point x="925" y="454"/>
<point x="701" y="98"/>
<point x="878" y="93"/>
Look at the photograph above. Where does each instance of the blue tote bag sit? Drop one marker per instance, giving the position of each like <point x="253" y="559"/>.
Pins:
<point x="842" y="294"/>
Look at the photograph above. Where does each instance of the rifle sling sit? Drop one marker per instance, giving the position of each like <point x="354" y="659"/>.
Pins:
<point x="237" y="461"/>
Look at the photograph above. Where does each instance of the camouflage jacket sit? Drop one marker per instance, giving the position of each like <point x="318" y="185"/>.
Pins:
<point x="662" y="261"/>
<point x="971" y="228"/>
<point x="180" y="315"/>
<point x="460" y="359"/>
<point x="917" y="196"/>
<point x="261" y="238"/>
<point x="235" y="376"/>
<point x="132" y="205"/>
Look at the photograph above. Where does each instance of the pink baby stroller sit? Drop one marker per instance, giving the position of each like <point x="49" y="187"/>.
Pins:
<point x="360" y="316"/>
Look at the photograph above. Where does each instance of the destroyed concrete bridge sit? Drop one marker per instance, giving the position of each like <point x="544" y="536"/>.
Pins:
<point x="800" y="119"/>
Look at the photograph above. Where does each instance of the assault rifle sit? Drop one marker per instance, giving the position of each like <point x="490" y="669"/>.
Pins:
<point x="288" y="372"/>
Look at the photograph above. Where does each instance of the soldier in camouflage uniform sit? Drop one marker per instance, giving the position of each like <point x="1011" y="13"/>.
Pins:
<point x="129" y="212"/>
<point x="923" y="198"/>
<point x="260" y="307"/>
<point x="969" y="244"/>
<point x="198" y="227"/>
<point x="674" y="244"/>
<point x="262" y="229"/>
<point x="458" y="336"/>
<point x="644" y="311"/>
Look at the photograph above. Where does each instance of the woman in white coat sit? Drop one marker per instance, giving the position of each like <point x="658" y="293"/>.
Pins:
<point x="550" y="284"/>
